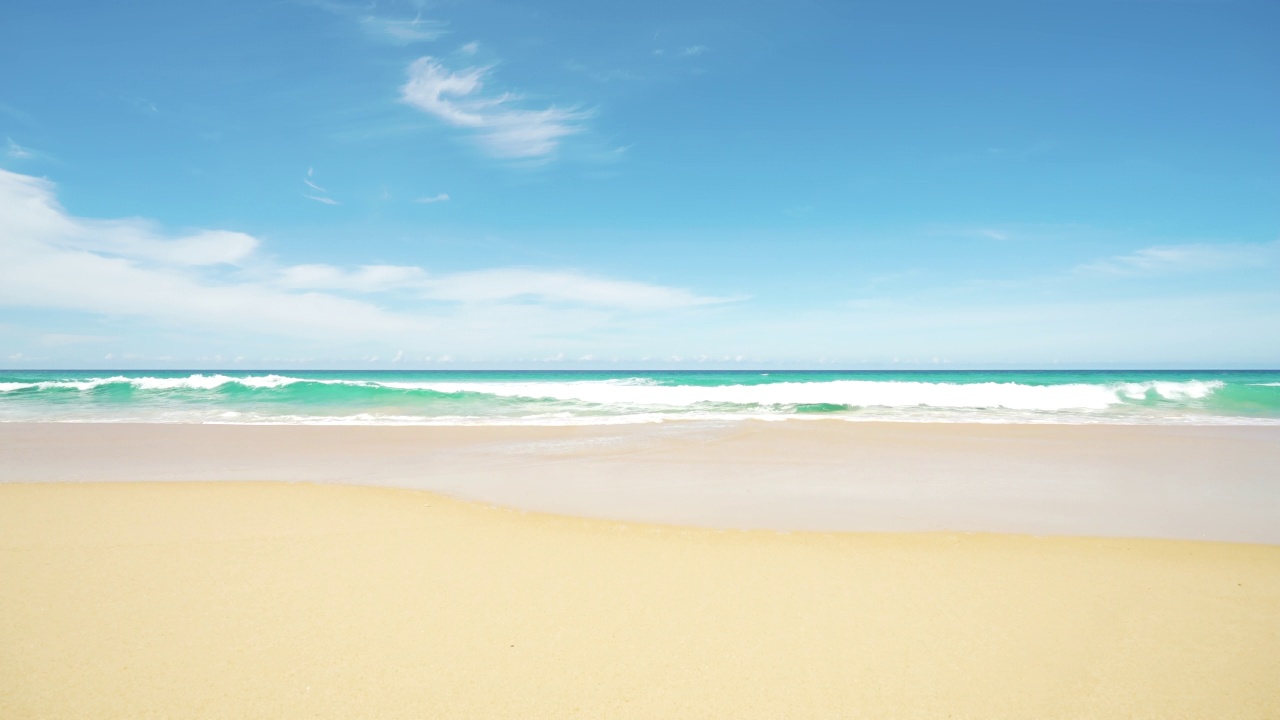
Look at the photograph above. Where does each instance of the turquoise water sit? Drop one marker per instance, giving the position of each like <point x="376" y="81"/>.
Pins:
<point x="566" y="398"/>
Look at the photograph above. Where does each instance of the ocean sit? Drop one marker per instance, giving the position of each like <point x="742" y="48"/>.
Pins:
<point x="622" y="397"/>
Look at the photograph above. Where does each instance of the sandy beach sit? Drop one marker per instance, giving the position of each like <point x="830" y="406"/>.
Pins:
<point x="295" y="600"/>
<point x="317" y="599"/>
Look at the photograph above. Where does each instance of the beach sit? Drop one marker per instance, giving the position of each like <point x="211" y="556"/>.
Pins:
<point x="1155" y="481"/>
<point x="320" y="599"/>
<point x="639" y="361"/>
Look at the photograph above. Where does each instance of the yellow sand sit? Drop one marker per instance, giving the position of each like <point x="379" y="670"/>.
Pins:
<point x="247" y="600"/>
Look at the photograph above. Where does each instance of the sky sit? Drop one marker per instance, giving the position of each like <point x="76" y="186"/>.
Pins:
<point x="702" y="184"/>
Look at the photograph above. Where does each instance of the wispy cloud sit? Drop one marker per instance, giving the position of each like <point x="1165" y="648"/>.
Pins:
<point x="384" y="28"/>
<point x="365" y="279"/>
<point x="62" y="339"/>
<point x="684" y="52"/>
<point x="504" y="130"/>
<point x="29" y="213"/>
<point x="496" y="286"/>
<point x="51" y="259"/>
<point x="442" y="197"/>
<point x="141" y="104"/>
<point x="487" y="286"/>
<point x="220" y="281"/>
<point x="310" y="183"/>
<point x="402" y="32"/>
<point x="324" y="196"/>
<point x="16" y="151"/>
<point x="1188" y="258"/>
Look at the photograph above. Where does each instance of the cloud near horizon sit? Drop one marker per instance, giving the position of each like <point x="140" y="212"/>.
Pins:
<point x="220" y="280"/>
<point x="498" y="285"/>
<point x="1186" y="258"/>
<point x="503" y="130"/>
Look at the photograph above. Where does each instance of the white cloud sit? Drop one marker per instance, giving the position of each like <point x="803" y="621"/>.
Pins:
<point x="218" y="283"/>
<point x="31" y="212"/>
<point x="206" y="247"/>
<point x="322" y="199"/>
<point x="442" y="197"/>
<point x="693" y="50"/>
<point x="504" y="130"/>
<point x="1195" y="257"/>
<point x="366" y="279"/>
<point x="470" y="48"/>
<point x="50" y="259"/>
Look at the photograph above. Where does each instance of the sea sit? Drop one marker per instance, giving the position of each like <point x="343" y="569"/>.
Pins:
<point x="1195" y="397"/>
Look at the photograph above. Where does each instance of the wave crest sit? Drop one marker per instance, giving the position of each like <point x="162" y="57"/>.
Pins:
<point x="644" y="392"/>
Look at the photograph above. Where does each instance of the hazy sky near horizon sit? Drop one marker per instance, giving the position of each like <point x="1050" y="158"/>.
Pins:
<point x="582" y="184"/>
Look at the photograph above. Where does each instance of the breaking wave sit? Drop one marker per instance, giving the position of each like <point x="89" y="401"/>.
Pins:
<point x="649" y="393"/>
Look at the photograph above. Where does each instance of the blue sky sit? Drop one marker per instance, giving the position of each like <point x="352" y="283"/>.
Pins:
<point x="660" y="184"/>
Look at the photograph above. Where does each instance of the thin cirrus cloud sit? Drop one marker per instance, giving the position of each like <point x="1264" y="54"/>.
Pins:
<point x="498" y="285"/>
<point x="318" y="193"/>
<point x="402" y="32"/>
<point x="1186" y="258"/>
<point x="218" y="280"/>
<point x="503" y="130"/>
<point x="393" y="31"/>
<point x="16" y="151"/>
<point x="442" y="197"/>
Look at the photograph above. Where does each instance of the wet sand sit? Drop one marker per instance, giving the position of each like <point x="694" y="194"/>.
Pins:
<point x="1211" y="483"/>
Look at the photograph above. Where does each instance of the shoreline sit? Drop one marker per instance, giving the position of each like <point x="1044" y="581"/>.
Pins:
<point x="1189" y="482"/>
<point x="248" y="600"/>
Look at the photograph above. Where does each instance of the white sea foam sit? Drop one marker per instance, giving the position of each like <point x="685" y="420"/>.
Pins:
<point x="82" y="385"/>
<point x="212" y="382"/>
<point x="645" y="392"/>
<point x="568" y="419"/>
<point x="191" y="382"/>
<point x="852" y="393"/>
<point x="1189" y="390"/>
